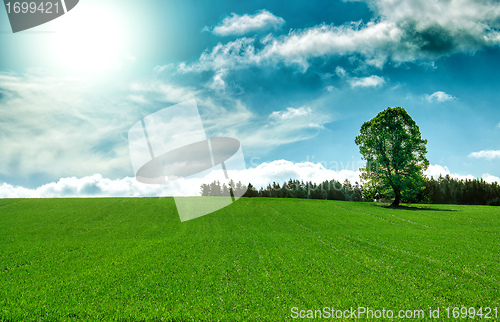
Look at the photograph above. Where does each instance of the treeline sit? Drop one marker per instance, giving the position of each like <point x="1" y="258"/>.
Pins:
<point x="215" y="189"/>
<point x="331" y="190"/>
<point x="444" y="190"/>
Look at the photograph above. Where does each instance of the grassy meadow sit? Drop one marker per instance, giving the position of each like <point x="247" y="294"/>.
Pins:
<point x="131" y="259"/>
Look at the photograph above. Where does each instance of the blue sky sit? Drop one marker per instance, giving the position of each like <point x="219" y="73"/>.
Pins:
<point x="293" y="81"/>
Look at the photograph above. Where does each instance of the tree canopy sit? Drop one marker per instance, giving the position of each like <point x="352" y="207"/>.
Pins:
<point x="392" y="145"/>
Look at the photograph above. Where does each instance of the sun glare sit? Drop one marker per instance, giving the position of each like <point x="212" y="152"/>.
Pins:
<point x="88" y="40"/>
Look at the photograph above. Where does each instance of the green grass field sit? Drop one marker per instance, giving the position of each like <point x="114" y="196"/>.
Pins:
<point x="132" y="259"/>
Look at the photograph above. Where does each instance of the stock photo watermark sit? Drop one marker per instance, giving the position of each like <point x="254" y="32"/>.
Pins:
<point x="170" y="147"/>
<point x="361" y="312"/>
<point x="28" y="14"/>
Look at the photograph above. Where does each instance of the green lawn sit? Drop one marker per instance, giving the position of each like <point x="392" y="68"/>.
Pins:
<point x="132" y="259"/>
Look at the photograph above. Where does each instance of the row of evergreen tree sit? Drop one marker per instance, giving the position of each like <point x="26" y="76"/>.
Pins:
<point x="332" y="190"/>
<point x="215" y="189"/>
<point x="447" y="190"/>
<point x="444" y="190"/>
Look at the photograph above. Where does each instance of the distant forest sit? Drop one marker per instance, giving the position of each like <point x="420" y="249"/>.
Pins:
<point x="444" y="190"/>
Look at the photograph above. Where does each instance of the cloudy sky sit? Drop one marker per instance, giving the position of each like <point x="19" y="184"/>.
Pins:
<point x="293" y="81"/>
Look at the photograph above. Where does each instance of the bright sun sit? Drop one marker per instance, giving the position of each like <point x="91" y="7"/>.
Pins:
<point x="88" y="40"/>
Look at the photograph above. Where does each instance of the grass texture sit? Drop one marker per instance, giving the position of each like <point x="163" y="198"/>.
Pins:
<point x="131" y="259"/>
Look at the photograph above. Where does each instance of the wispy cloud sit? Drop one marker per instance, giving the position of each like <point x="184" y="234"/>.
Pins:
<point x="439" y="97"/>
<point x="225" y="115"/>
<point x="298" y="47"/>
<point x="490" y="179"/>
<point x="401" y="31"/>
<point x="486" y="154"/>
<point x="244" y="24"/>
<point x="364" y="82"/>
<point x="89" y="186"/>
<point x="370" y="81"/>
<point x="284" y="127"/>
<point x="436" y="170"/>
<point x="291" y="113"/>
<point x="283" y="170"/>
<point x="52" y="127"/>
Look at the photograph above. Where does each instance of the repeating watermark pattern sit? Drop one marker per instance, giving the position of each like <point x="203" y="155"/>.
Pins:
<point x="28" y="14"/>
<point x="171" y="147"/>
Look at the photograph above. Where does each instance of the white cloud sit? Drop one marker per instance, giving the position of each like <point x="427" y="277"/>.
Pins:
<point x="371" y="81"/>
<point x="436" y="170"/>
<point x="327" y="40"/>
<point x="498" y="126"/>
<point x="140" y="99"/>
<point x="490" y="179"/>
<point x="236" y="54"/>
<point x="130" y="58"/>
<point x="466" y="14"/>
<point x="51" y="134"/>
<point x="291" y="112"/>
<point x="46" y="135"/>
<point x="439" y="97"/>
<point x="486" y="154"/>
<point x="224" y="115"/>
<point x="376" y="42"/>
<point x="261" y="175"/>
<point x="90" y="186"/>
<point x="400" y="31"/>
<point x="340" y="72"/>
<point x="280" y="171"/>
<point x="218" y="82"/>
<point x="299" y="46"/>
<point x="240" y="25"/>
<point x="164" y="91"/>
<point x="284" y="127"/>
<point x="97" y="186"/>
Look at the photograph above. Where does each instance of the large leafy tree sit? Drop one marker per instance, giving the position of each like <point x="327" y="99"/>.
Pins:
<point x="392" y="145"/>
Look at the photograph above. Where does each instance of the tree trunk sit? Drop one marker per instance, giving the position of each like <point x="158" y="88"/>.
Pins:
<point x="397" y="199"/>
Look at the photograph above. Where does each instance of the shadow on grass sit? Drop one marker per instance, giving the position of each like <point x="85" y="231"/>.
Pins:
<point x="413" y="208"/>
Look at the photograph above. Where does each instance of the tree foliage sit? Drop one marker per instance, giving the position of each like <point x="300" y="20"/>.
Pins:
<point x="392" y="145"/>
<point x="447" y="190"/>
